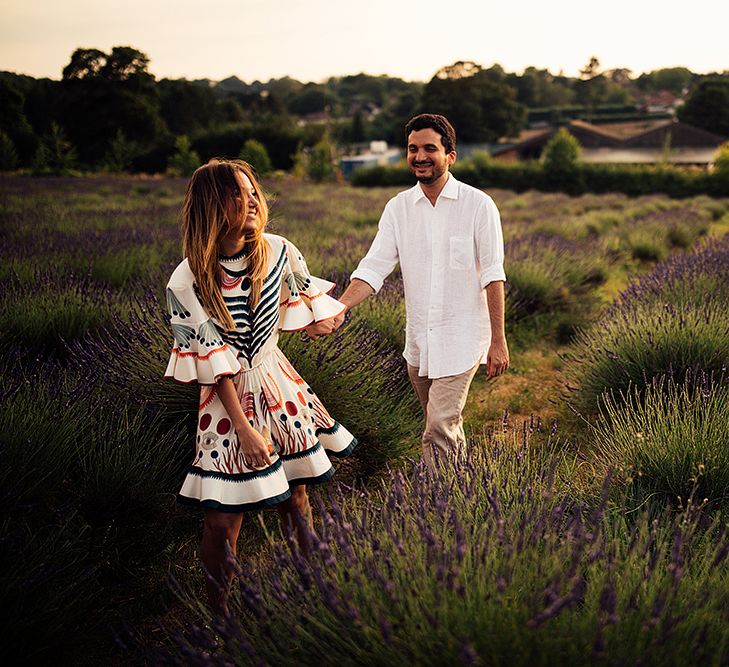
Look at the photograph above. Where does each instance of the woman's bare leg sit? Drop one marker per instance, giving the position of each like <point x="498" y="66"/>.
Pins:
<point x="296" y="517"/>
<point x="219" y="528"/>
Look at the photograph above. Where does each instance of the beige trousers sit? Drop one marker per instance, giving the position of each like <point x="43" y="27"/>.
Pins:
<point x="443" y="400"/>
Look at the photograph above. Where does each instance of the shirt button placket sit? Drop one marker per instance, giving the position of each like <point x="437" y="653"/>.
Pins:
<point x="436" y="287"/>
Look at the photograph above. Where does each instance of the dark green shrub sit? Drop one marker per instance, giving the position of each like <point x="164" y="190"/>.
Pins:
<point x="255" y="154"/>
<point x="8" y="154"/>
<point x="185" y="160"/>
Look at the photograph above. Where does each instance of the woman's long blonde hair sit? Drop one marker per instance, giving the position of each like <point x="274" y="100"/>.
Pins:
<point x="205" y="222"/>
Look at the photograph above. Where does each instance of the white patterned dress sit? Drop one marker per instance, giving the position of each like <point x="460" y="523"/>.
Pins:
<point x="278" y="403"/>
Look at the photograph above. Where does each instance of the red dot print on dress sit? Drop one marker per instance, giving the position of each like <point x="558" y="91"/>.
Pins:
<point x="205" y="421"/>
<point x="223" y="426"/>
<point x="291" y="408"/>
<point x="301" y="398"/>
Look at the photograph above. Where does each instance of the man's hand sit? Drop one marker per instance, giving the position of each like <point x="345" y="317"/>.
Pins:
<point x="318" y="329"/>
<point x="497" y="360"/>
<point x="338" y="321"/>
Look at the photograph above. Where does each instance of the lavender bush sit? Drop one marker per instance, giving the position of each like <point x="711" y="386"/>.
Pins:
<point x="672" y="321"/>
<point x="551" y="283"/>
<point x="491" y="562"/>
<point x="671" y="442"/>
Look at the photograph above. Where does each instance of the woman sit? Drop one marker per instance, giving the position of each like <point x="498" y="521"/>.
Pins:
<point x="262" y="432"/>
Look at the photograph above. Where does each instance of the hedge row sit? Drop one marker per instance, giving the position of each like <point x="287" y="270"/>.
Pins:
<point x="598" y="178"/>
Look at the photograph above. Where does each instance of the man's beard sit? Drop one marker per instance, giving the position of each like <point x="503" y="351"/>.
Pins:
<point x="427" y="180"/>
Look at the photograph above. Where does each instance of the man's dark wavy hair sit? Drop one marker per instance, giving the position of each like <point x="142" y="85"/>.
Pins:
<point x="436" y="122"/>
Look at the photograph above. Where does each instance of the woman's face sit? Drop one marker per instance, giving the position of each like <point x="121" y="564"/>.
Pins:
<point x="236" y="207"/>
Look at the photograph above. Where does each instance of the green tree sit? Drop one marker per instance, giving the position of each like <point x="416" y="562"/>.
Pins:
<point x="84" y="63"/>
<point x="721" y="161"/>
<point x="707" y="107"/>
<point x="316" y="163"/>
<point x="14" y="123"/>
<point x="479" y="103"/>
<point x="560" y="161"/>
<point x="8" y="154"/>
<point x="255" y="154"/>
<point x="314" y="98"/>
<point x="562" y="152"/>
<point x="357" y="131"/>
<point x="675" y="79"/>
<point x="185" y="160"/>
<point x="121" y="153"/>
<point x="101" y="93"/>
<point x="56" y="154"/>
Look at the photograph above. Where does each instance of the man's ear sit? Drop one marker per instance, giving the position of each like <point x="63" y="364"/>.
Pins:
<point x="451" y="157"/>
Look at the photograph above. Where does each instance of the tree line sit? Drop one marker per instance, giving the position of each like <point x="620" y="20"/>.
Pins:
<point x="109" y="112"/>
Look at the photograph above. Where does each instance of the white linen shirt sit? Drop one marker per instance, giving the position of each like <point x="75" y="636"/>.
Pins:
<point x="448" y="254"/>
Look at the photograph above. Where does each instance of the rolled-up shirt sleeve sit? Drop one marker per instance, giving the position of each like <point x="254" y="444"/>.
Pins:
<point x="382" y="256"/>
<point x="490" y="243"/>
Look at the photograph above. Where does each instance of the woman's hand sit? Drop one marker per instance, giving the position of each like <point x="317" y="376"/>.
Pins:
<point x="256" y="451"/>
<point x="318" y="329"/>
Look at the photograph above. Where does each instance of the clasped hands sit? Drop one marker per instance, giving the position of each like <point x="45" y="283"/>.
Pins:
<point x="325" y="327"/>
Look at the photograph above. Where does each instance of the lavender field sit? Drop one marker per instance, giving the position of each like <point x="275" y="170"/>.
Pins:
<point x="585" y="526"/>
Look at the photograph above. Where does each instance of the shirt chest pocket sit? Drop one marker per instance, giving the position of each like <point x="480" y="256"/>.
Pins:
<point x="461" y="252"/>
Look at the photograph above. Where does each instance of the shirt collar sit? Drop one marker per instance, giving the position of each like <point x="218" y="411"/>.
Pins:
<point x="449" y="191"/>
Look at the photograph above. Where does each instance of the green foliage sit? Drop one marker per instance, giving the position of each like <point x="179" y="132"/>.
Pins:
<point x="669" y="440"/>
<point x="644" y="245"/>
<point x="185" y="160"/>
<point x="597" y="178"/>
<point x="675" y="79"/>
<point x="479" y="103"/>
<point x="56" y="154"/>
<point x="14" y="121"/>
<point x="561" y="153"/>
<point x="707" y="106"/>
<point x="560" y="161"/>
<point x="655" y="340"/>
<point x="671" y="323"/>
<point x="318" y="162"/>
<point x="549" y="279"/>
<point x="8" y="154"/>
<point x="721" y="161"/>
<point x="121" y="153"/>
<point x="255" y="154"/>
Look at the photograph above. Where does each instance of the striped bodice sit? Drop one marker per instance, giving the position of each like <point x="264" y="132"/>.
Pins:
<point x="255" y="327"/>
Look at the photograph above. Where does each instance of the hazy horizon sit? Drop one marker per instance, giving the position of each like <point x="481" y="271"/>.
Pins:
<point x="314" y="40"/>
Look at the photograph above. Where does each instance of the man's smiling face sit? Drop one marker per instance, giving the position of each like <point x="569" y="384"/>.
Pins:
<point x="427" y="157"/>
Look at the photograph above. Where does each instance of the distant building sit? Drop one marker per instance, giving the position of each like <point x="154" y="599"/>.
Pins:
<point x="377" y="152"/>
<point x="662" y="101"/>
<point x="638" y="142"/>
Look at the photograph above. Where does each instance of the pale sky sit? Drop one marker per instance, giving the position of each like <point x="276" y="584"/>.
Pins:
<point x="311" y="40"/>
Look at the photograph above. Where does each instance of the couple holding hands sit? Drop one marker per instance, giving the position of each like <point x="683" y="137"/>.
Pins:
<point x="263" y="435"/>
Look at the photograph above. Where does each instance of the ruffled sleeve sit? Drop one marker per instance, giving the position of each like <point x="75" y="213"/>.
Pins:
<point x="199" y="353"/>
<point x="308" y="296"/>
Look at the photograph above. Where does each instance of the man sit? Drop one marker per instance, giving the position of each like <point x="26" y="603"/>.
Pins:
<point x="447" y="238"/>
